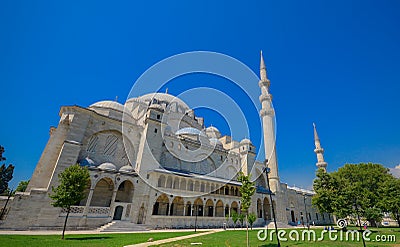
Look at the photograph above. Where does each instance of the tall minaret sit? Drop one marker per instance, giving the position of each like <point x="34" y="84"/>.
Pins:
<point x="319" y="151"/>
<point x="267" y="114"/>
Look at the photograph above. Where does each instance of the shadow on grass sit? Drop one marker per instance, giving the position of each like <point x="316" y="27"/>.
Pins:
<point x="88" y="238"/>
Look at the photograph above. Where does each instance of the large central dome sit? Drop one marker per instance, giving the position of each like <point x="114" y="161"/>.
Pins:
<point x="159" y="98"/>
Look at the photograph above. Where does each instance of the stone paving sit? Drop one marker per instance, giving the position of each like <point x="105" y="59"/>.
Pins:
<point x="168" y="240"/>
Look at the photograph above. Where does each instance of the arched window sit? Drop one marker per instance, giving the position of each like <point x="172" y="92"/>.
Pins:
<point x="161" y="206"/>
<point x="161" y="181"/>
<point x="102" y="193"/>
<point x="169" y="182"/>
<point x="125" y="192"/>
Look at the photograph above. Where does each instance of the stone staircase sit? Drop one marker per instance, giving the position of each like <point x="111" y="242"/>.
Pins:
<point x="123" y="226"/>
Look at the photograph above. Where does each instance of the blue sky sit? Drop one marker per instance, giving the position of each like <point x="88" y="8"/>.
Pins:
<point x="335" y="63"/>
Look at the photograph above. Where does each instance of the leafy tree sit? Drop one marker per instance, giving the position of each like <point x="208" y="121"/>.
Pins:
<point x="6" y="172"/>
<point x="70" y="191"/>
<point x="352" y="189"/>
<point x="391" y="197"/>
<point x="22" y="186"/>
<point x="241" y="219"/>
<point x="251" y="218"/>
<point x="247" y="190"/>
<point x="235" y="217"/>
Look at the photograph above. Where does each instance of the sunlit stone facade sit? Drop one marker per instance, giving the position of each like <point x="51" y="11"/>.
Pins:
<point x="153" y="162"/>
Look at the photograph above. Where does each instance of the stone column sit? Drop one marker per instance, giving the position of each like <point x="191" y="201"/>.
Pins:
<point x="113" y="202"/>
<point x="88" y="201"/>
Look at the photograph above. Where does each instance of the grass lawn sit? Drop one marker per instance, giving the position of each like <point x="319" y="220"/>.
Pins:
<point x="238" y="238"/>
<point x="89" y="240"/>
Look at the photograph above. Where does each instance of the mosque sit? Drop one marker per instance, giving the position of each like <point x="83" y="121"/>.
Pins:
<point x="152" y="162"/>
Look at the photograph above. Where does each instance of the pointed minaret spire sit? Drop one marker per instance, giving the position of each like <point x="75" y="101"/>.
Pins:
<point x="319" y="151"/>
<point x="263" y="69"/>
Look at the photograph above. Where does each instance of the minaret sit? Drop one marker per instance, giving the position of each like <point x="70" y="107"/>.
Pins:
<point x="267" y="114"/>
<point x="319" y="151"/>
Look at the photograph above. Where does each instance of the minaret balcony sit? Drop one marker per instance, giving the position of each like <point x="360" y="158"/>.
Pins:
<point x="267" y="112"/>
<point x="264" y="83"/>
<point x="265" y="97"/>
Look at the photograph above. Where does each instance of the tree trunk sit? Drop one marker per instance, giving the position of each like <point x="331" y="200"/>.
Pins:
<point x="247" y="232"/>
<point x="65" y="223"/>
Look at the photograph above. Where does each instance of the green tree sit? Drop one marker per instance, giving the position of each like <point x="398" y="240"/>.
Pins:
<point x="251" y="218"/>
<point x="352" y="189"/>
<point x="391" y="197"/>
<point x="235" y="218"/>
<point x="6" y="173"/>
<point x="70" y="191"/>
<point x="22" y="186"/>
<point x="247" y="190"/>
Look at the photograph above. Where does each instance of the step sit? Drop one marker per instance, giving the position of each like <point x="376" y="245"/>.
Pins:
<point x="123" y="226"/>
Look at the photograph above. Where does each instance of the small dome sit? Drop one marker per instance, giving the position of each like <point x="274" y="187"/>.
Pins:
<point x="246" y="141"/>
<point x="215" y="141"/>
<point x="107" y="167"/>
<point x="158" y="98"/>
<point x="213" y="132"/>
<point x="190" y="131"/>
<point x="108" y="104"/>
<point x="126" y="169"/>
<point x="86" y="162"/>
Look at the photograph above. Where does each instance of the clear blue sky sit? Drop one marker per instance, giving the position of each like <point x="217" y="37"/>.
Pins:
<point x="335" y="63"/>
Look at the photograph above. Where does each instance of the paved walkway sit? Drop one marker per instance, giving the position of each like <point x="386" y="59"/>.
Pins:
<point x="58" y="232"/>
<point x="168" y="240"/>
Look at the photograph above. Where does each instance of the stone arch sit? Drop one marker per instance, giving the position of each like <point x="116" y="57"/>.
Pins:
<point x="190" y="185"/>
<point x="161" y="205"/>
<point x="202" y="187"/>
<point x="219" y="209"/>
<point x="209" y="209"/>
<point x="188" y="208"/>
<point x="232" y="191"/>
<point x="226" y="190"/>
<point x="177" y="206"/>
<point x="169" y="182"/>
<point x="161" y="181"/>
<point x="125" y="192"/>
<point x="176" y="183"/>
<point x="198" y="207"/>
<point x="235" y="206"/>
<point x="102" y="193"/>
<point x="212" y="189"/>
<point x="227" y="210"/>
<point x="267" y="209"/>
<point x="183" y="184"/>
<point x="259" y="208"/>
<point x="196" y="186"/>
